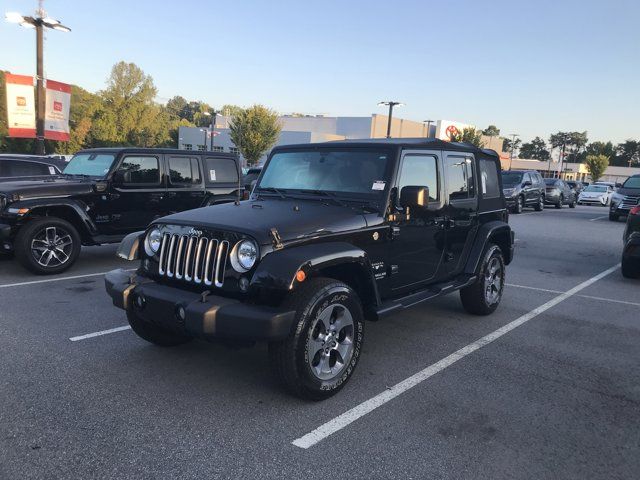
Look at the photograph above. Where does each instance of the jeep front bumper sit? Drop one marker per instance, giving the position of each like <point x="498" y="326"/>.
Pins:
<point x="209" y="317"/>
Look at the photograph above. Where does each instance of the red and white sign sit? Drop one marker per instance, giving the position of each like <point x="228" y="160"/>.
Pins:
<point x="446" y="129"/>
<point x="21" y="106"/>
<point x="56" y="116"/>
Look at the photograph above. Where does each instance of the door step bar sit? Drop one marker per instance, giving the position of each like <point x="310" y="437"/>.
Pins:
<point x="433" y="291"/>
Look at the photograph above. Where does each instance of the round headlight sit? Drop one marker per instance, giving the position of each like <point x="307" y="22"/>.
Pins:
<point x="152" y="242"/>
<point x="244" y="255"/>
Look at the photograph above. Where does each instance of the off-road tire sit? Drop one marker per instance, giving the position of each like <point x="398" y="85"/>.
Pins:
<point x="154" y="333"/>
<point x="290" y="359"/>
<point x="630" y="267"/>
<point x="474" y="298"/>
<point x="540" y="205"/>
<point x="31" y="230"/>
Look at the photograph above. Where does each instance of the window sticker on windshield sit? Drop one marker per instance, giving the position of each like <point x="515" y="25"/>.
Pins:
<point x="52" y="170"/>
<point x="378" y="185"/>
<point x="212" y="175"/>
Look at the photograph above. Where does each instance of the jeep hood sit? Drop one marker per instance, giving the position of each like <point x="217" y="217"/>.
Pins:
<point x="295" y="219"/>
<point x="57" y="186"/>
<point x="633" y="192"/>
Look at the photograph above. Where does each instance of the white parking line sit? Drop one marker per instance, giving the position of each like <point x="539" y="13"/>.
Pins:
<point x="102" y="332"/>
<point x="350" y="416"/>
<point x="58" y="279"/>
<point x="590" y="297"/>
<point x="599" y="218"/>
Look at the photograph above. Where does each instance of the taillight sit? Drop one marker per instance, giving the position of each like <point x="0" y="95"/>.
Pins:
<point x="635" y="210"/>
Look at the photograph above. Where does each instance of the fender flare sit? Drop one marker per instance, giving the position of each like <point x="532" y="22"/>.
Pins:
<point x="496" y="230"/>
<point x="78" y="208"/>
<point x="277" y="270"/>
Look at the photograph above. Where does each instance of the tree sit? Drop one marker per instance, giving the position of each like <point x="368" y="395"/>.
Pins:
<point x="570" y="144"/>
<point x="229" y="110"/>
<point x="469" y="135"/>
<point x="491" y="131"/>
<point x="509" y="143"/>
<point x="628" y="152"/>
<point x="596" y="164"/>
<point x="535" y="149"/>
<point x="600" y="148"/>
<point x="254" y="131"/>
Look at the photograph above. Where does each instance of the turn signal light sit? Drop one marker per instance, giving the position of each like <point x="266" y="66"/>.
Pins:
<point x="301" y="276"/>
<point x="635" y="210"/>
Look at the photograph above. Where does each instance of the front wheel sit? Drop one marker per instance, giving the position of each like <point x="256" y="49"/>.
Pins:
<point x="47" y="245"/>
<point x="572" y="204"/>
<point x="560" y="202"/>
<point x="484" y="296"/>
<point x="519" y="205"/>
<point x="321" y="353"/>
<point x="540" y="205"/>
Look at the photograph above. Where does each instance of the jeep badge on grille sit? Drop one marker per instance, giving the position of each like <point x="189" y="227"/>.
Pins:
<point x="194" y="232"/>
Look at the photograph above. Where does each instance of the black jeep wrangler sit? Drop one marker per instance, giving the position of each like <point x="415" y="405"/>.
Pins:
<point x="334" y="233"/>
<point x="103" y="195"/>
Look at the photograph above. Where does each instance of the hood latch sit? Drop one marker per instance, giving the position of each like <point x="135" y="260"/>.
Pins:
<point x="275" y="236"/>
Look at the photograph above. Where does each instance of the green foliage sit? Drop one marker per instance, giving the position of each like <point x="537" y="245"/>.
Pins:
<point x="254" y="131"/>
<point x="596" y="164"/>
<point x="491" y="131"/>
<point x="570" y="143"/>
<point x="535" y="149"/>
<point x="469" y="135"/>
<point x="628" y="153"/>
<point x="510" y="144"/>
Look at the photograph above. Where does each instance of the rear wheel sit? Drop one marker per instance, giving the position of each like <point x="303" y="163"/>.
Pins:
<point x="321" y="353"/>
<point x="47" y="245"/>
<point x="484" y="296"/>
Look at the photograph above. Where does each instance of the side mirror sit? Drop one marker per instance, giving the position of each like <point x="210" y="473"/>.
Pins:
<point x="527" y="184"/>
<point x="413" y="196"/>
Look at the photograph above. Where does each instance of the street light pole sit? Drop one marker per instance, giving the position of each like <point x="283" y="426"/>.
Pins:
<point x="513" y="144"/>
<point x="428" y="122"/>
<point x="39" y="22"/>
<point x="390" y="104"/>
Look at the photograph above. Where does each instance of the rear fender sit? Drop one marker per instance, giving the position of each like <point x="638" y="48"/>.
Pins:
<point x="497" y="232"/>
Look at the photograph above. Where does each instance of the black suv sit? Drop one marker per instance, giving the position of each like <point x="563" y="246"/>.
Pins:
<point x="523" y="188"/>
<point x="22" y="166"/>
<point x="103" y="195"/>
<point x="333" y="233"/>
<point x="625" y="198"/>
<point x="631" y="251"/>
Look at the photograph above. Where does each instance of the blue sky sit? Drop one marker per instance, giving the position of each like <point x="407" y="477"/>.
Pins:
<point x="531" y="68"/>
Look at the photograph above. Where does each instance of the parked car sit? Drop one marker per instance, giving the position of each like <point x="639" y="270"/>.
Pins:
<point x="576" y="186"/>
<point x="333" y="233"/>
<point x="613" y="185"/>
<point x="595" y="195"/>
<point x="103" y="195"/>
<point x="251" y="176"/>
<point x="523" y="188"/>
<point x="13" y="167"/>
<point x="625" y="198"/>
<point x="558" y="193"/>
<point x="631" y="251"/>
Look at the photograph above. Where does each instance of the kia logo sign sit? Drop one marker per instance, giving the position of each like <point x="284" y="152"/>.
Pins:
<point x="57" y="106"/>
<point x="21" y="101"/>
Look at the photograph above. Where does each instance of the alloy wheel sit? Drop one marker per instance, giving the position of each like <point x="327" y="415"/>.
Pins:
<point x="51" y="246"/>
<point x="330" y="344"/>
<point x="493" y="280"/>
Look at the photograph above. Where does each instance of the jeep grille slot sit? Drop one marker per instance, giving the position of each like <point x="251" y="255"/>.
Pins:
<point x="198" y="260"/>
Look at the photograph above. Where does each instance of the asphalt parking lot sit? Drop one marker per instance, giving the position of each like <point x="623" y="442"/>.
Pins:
<point x="547" y="387"/>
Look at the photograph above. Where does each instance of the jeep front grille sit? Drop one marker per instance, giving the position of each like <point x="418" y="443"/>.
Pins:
<point x="193" y="259"/>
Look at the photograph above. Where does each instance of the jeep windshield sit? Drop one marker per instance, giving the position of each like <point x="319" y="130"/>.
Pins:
<point x="345" y="174"/>
<point x="632" y="182"/>
<point x="95" y="165"/>
<point x="509" y="179"/>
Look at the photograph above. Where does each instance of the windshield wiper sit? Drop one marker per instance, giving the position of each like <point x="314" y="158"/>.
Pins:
<point x="81" y="175"/>
<point x="271" y="189"/>
<point x="330" y="195"/>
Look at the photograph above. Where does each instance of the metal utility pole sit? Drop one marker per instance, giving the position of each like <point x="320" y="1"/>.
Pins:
<point x="390" y="104"/>
<point x="39" y="22"/>
<point x="428" y="122"/>
<point x="513" y="144"/>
